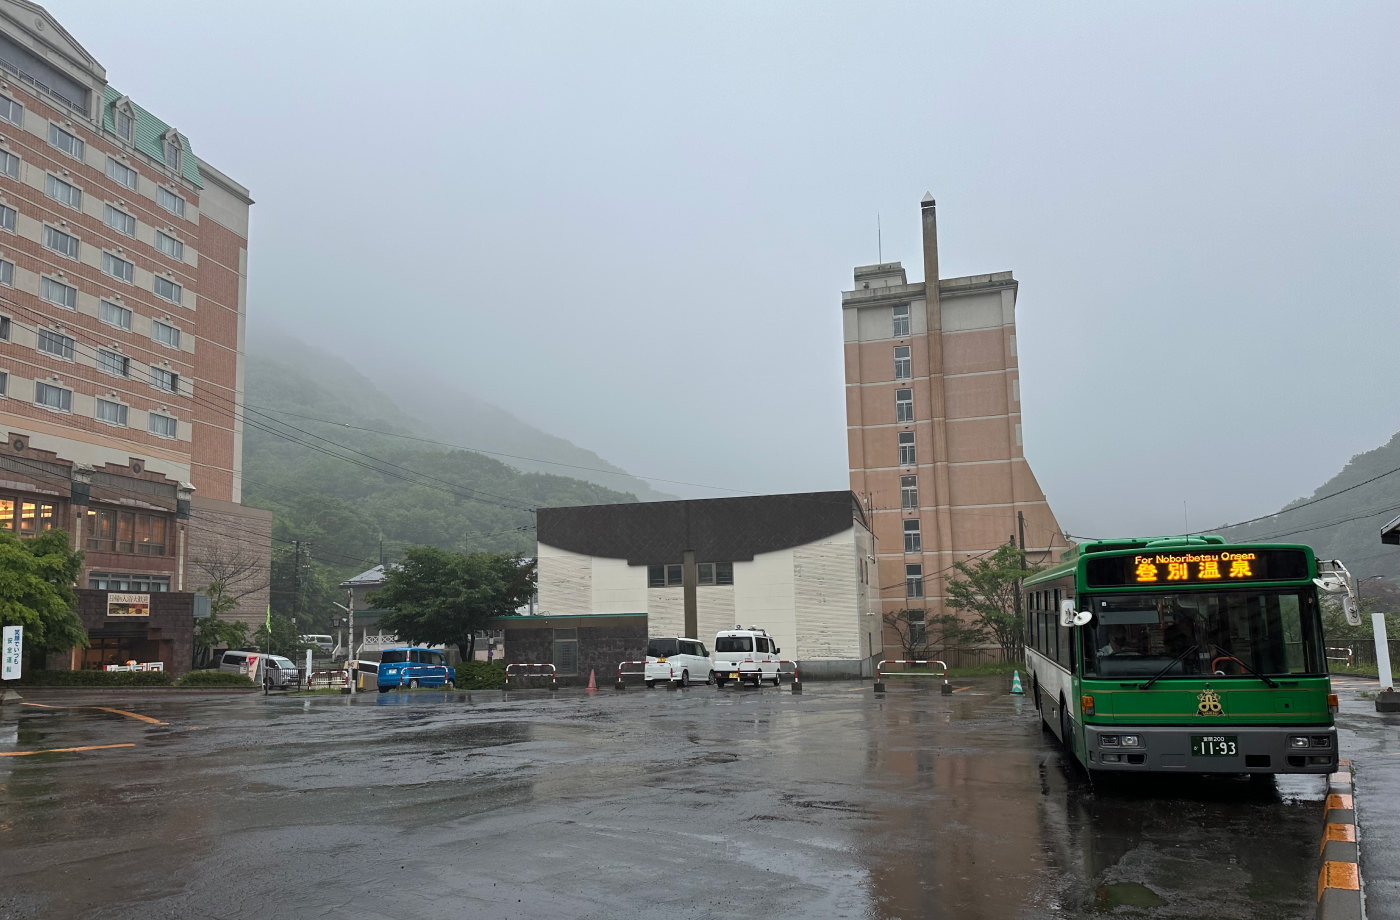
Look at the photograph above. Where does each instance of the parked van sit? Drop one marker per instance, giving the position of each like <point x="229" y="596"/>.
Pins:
<point x="410" y="666"/>
<point x="275" y="672"/>
<point x="324" y="643"/>
<point x="745" y="655"/>
<point x="678" y="661"/>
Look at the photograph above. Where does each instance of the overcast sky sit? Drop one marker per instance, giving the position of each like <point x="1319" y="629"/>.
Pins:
<point x="630" y="224"/>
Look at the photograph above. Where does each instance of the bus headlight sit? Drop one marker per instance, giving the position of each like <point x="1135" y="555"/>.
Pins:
<point x="1131" y="741"/>
<point x="1298" y="741"/>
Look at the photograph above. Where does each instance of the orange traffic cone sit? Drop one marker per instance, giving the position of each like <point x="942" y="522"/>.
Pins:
<point x="592" y="681"/>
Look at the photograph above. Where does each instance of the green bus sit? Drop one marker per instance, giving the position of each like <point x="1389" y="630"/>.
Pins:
<point x="1183" y="654"/>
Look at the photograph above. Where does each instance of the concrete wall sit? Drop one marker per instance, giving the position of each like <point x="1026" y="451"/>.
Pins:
<point x="603" y="642"/>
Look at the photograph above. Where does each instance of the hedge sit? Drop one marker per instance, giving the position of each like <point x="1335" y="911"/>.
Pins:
<point x="481" y="675"/>
<point x="215" y="679"/>
<point x="97" y="679"/>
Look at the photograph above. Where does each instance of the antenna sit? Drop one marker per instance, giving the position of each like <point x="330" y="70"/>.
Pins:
<point x="1185" y="521"/>
<point x="879" y="240"/>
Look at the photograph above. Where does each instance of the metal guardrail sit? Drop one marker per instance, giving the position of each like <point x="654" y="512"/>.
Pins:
<point x="19" y="74"/>
<point x="880" y="672"/>
<point x="553" y="673"/>
<point x="329" y="678"/>
<point x="1348" y="657"/>
<point x="796" y="679"/>
<point x="620" y="685"/>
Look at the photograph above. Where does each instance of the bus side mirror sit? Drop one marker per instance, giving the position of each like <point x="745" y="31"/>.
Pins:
<point x="1069" y="617"/>
<point x="1349" y="608"/>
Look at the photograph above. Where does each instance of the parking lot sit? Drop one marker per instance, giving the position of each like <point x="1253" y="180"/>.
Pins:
<point x="689" y="803"/>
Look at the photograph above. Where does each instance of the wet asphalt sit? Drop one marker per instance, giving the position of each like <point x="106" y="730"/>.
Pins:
<point x="640" y="804"/>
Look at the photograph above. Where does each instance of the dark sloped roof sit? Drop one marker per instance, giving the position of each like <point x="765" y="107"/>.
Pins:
<point x="716" y="529"/>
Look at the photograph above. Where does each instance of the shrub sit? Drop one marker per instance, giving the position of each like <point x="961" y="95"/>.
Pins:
<point x="481" y="675"/>
<point x="215" y="679"/>
<point x="97" y="679"/>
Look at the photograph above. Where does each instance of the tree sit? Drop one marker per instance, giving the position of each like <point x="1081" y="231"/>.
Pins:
<point x="436" y="597"/>
<point x="214" y="631"/>
<point x="37" y="575"/>
<point x="987" y="588"/>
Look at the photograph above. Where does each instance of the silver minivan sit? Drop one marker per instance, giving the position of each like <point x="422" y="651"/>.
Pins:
<point x="679" y="661"/>
<point x="277" y="673"/>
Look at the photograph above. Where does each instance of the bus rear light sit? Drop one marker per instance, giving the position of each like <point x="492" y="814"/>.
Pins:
<point x="1086" y="705"/>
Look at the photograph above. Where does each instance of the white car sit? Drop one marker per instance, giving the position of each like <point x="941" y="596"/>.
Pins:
<point x="678" y="661"/>
<point x="746" y="655"/>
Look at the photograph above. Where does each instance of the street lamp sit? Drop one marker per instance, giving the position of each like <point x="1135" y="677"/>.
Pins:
<point x="1359" y="582"/>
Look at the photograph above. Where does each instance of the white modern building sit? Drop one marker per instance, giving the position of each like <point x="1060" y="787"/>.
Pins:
<point x="797" y="565"/>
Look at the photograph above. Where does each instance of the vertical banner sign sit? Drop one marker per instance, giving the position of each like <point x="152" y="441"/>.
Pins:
<point x="13" y="652"/>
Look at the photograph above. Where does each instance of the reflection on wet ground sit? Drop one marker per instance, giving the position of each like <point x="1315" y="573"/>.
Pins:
<point x="698" y="803"/>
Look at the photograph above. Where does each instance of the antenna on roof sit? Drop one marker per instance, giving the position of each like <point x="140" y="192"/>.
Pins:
<point x="879" y="240"/>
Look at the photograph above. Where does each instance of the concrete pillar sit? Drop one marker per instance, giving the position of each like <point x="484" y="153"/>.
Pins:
<point x="942" y="548"/>
<point x="689" y="579"/>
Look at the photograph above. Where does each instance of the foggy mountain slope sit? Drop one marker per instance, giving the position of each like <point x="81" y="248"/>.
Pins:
<point x="403" y="491"/>
<point x="461" y="418"/>
<point x="416" y="402"/>
<point x="1346" y="527"/>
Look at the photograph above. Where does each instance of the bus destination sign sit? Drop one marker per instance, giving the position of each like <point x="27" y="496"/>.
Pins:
<point x="1196" y="568"/>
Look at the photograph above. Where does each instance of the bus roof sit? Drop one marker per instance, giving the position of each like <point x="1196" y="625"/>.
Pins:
<point x="1070" y="558"/>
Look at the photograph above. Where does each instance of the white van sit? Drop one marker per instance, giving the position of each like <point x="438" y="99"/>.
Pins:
<point x="275" y="672"/>
<point x="678" y="661"/>
<point x="322" y="642"/>
<point x="745" y="655"/>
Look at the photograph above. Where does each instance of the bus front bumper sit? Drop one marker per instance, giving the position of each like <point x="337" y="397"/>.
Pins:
<point x="1212" y="748"/>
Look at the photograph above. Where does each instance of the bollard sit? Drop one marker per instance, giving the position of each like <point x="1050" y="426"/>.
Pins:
<point x="947" y="689"/>
<point x="879" y="686"/>
<point x="619" y="685"/>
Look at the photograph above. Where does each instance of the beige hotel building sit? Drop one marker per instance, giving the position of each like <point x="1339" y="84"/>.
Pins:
<point x="933" y="413"/>
<point x="123" y="276"/>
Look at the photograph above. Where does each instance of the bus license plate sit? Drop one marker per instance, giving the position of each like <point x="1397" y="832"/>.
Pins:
<point x="1215" y="745"/>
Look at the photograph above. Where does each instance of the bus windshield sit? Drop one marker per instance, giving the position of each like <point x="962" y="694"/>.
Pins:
<point x="1212" y="633"/>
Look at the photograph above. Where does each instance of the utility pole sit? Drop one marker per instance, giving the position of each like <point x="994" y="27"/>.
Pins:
<point x="296" y="579"/>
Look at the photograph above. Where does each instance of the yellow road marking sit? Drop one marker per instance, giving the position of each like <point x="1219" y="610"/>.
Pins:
<point x="120" y="712"/>
<point x="961" y="689"/>
<point x="91" y="747"/>
<point x="134" y="715"/>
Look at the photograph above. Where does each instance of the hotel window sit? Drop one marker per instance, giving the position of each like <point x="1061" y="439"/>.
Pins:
<point x="117" y="267"/>
<point x="170" y="201"/>
<point x="656" y="576"/>
<point x="142" y="584"/>
<point x="52" y="397"/>
<point x="109" y="362"/>
<point x="4" y="384"/>
<point x="674" y="575"/>
<point x="121" y="174"/>
<point x="114" y="315"/>
<point x="172" y="154"/>
<point x="906" y="448"/>
<point x="166" y="335"/>
<point x="27" y="518"/>
<point x="124" y="123"/>
<point x="119" y="220"/>
<point x="9" y="164"/>
<point x="11" y="111"/>
<point x="913" y="581"/>
<point x="913" y="539"/>
<point x="61" y="242"/>
<point x="901" y="321"/>
<point x="7" y="273"/>
<point x="902" y="363"/>
<point x="918" y="628"/>
<point x="170" y="246"/>
<point x="724" y="573"/>
<point x="705" y="573"/>
<point x="7" y="218"/>
<point x="4" y="328"/>
<point x="115" y="531"/>
<point x="904" y="405"/>
<point x="56" y="344"/>
<point x="909" y="492"/>
<point x="64" y="193"/>
<point x="168" y="289"/>
<point x="110" y="412"/>
<point x="163" y="379"/>
<point x="66" y="142"/>
<point x="56" y="292"/>
<point x="162" y="426"/>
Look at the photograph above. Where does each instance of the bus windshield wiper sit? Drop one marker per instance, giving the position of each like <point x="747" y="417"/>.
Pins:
<point x="1170" y="664"/>
<point x="1266" y="680"/>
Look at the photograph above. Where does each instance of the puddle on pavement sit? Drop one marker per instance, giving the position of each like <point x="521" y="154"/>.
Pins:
<point x="1126" y="894"/>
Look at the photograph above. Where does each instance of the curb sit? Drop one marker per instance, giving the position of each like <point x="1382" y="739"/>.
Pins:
<point x="1339" y="879"/>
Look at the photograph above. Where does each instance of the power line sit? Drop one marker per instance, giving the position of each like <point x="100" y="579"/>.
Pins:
<point x="1311" y="501"/>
